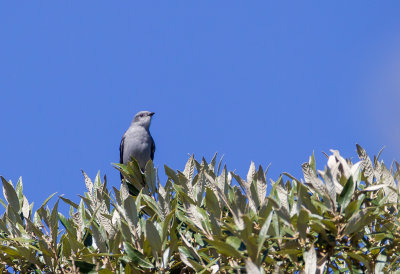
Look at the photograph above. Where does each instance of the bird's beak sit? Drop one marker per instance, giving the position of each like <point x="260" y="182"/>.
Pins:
<point x="151" y="113"/>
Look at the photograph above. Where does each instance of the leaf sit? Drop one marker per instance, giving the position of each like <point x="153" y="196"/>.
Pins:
<point x="252" y="267"/>
<point x="137" y="258"/>
<point x="153" y="237"/>
<point x="359" y="257"/>
<point x="246" y="189"/>
<point x="149" y="201"/>
<point x="10" y="194"/>
<point x="311" y="178"/>
<point x="381" y="261"/>
<point x="99" y="240"/>
<point x="219" y="164"/>
<point x="302" y="222"/>
<point x="330" y="183"/>
<point x="150" y="176"/>
<point x="366" y="164"/>
<point x="68" y="201"/>
<point x="19" y="188"/>
<point x="193" y="214"/>
<point x="67" y="223"/>
<point x="347" y="193"/>
<point x="310" y="259"/>
<point x="124" y="191"/>
<point x="165" y="257"/>
<point x="212" y="202"/>
<point x="54" y="224"/>
<point x="251" y="174"/>
<point x="84" y="267"/>
<point x="234" y="241"/>
<point x="213" y="162"/>
<point x="358" y="221"/>
<point x="264" y="230"/>
<point x="283" y="197"/>
<point x="131" y="211"/>
<point x="186" y="258"/>
<point x="25" y="208"/>
<point x="390" y="185"/>
<point x="261" y="185"/>
<point x="47" y="200"/>
<point x="88" y="182"/>
<point x="225" y="248"/>
<point x="343" y="166"/>
<point x="189" y="168"/>
<point x="373" y="188"/>
<point x="171" y="174"/>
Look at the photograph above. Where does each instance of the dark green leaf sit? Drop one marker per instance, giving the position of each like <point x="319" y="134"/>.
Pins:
<point x="137" y="258"/>
<point x="10" y="194"/>
<point x="346" y="194"/>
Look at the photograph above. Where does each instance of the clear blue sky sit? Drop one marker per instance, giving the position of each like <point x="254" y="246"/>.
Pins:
<point x="262" y="81"/>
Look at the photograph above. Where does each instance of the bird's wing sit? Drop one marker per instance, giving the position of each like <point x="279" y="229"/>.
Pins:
<point x="153" y="148"/>
<point x="121" y="150"/>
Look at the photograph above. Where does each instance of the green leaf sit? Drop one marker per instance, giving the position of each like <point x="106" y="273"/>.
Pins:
<point x="11" y="251"/>
<point x="54" y="223"/>
<point x="137" y="258"/>
<point x="150" y="176"/>
<point x="225" y="248"/>
<point x="47" y="200"/>
<point x="10" y="195"/>
<point x="187" y="258"/>
<point x="346" y="194"/>
<point x="131" y="211"/>
<point x="84" y="267"/>
<point x="234" y="241"/>
<point x="212" y="202"/>
<point x="359" y="257"/>
<point x="358" y="221"/>
<point x="67" y="223"/>
<point x="264" y="230"/>
<point x="153" y="236"/>
<point x="68" y="201"/>
<point x="302" y="222"/>
<point x="150" y="202"/>
<point x="171" y="174"/>
<point x="19" y="188"/>
<point x="100" y="242"/>
<point x="107" y="271"/>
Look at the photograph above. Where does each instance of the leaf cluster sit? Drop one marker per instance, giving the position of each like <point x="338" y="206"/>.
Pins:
<point x="207" y="219"/>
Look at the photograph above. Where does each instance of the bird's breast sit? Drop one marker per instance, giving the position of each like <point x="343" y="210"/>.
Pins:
<point x="137" y="144"/>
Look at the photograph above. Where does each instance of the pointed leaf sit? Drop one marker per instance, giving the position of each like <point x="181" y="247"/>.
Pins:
<point x="10" y="194"/>
<point x="137" y="258"/>
<point x="153" y="236"/>
<point x="261" y="185"/>
<point x="310" y="258"/>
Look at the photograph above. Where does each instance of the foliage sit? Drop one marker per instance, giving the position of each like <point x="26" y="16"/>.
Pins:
<point x="344" y="218"/>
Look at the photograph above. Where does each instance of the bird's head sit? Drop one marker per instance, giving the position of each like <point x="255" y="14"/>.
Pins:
<point x="143" y="118"/>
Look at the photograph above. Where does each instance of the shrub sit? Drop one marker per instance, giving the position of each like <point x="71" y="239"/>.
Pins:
<point x="344" y="218"/>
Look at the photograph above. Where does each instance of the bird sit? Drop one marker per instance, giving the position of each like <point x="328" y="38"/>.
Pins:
<point x="137" y="141"/>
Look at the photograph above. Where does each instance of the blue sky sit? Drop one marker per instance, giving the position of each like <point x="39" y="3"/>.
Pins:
<point x="261" y="81"/>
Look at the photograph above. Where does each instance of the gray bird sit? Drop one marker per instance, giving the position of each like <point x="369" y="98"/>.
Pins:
<point x="137" y="141"/>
